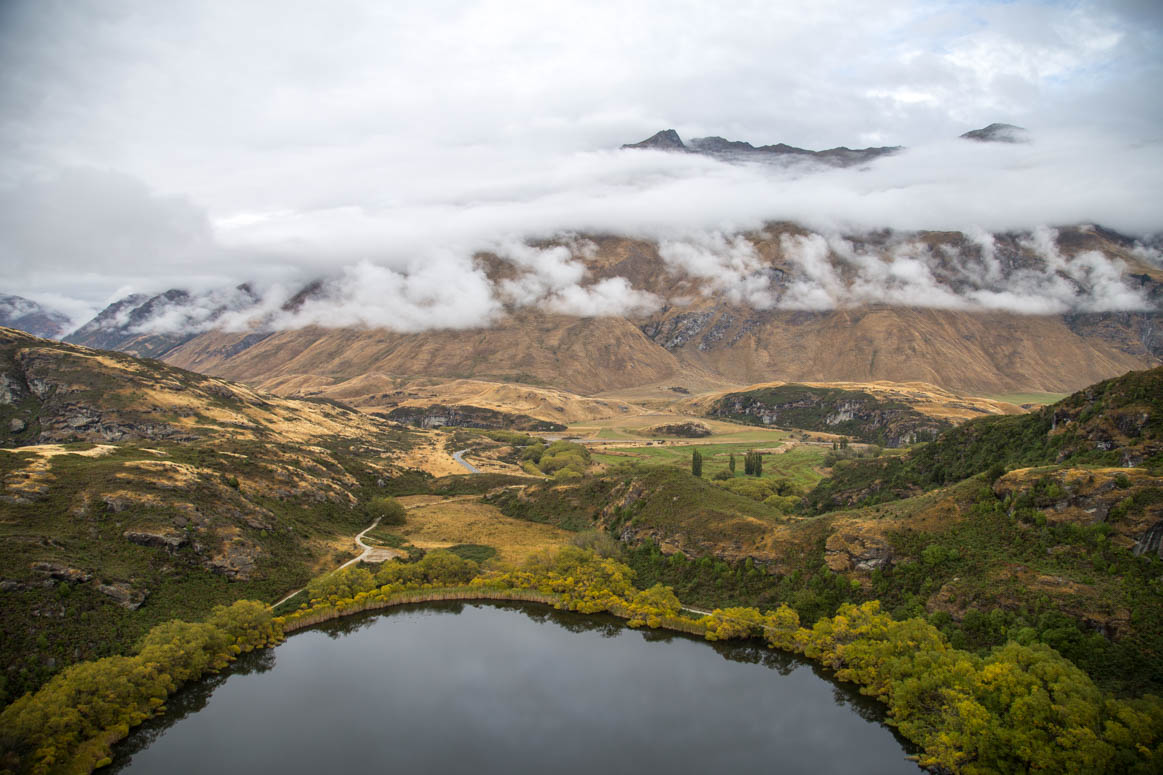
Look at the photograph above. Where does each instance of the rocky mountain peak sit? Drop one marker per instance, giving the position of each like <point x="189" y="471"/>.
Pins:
<point x="780" y="153"/>
<point x="27" y="315"/>
<point x="666" y="140"/>
<point x="999" y="133"/>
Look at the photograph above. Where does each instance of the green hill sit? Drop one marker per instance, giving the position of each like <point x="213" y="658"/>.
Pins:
<point x="132" y="492"/>
<point x="1118" y="422"/>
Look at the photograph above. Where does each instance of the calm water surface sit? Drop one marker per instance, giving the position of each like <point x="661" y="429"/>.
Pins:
<point x="503" y="688"/>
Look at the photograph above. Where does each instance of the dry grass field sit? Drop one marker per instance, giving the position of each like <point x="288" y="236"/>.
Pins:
<point x="438" y="523"/>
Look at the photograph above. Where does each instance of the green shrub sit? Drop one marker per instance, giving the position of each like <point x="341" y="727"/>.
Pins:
<point x="477" y="553"/>
<point x="389" y="510"/>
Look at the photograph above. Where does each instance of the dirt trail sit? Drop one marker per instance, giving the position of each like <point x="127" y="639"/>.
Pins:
<point x="369" y="554"/>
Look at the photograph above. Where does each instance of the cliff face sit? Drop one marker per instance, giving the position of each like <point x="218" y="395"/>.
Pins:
<point x="845" y="412"/>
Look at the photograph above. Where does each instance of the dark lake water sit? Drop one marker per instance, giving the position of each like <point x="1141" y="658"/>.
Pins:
<point x="505" y="688"/>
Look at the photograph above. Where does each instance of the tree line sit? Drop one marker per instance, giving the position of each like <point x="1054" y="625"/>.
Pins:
<point x="1021" y="708"/>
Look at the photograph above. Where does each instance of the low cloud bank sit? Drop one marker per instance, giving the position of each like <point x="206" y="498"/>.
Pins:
<point x="1026" y="274"/>
<point x="410" y="264"/>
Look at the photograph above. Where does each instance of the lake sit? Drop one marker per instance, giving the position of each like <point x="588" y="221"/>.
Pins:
<point x="512" y="688"/>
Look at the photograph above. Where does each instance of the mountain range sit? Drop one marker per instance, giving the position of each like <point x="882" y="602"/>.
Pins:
<point x="739" y="150"/>
<point x="782" y="153"/>
<point x="27" y="315"/>
<point x="705" y="331"/>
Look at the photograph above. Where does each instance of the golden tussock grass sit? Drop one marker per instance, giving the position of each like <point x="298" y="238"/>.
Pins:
<point x="440" y="523"/>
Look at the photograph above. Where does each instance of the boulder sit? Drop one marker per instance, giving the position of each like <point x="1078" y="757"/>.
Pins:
<point x="123" y="594"/>
<point x="859" y="548"/>
<point x="165" y="540"/>
<point x="56" y="570"/>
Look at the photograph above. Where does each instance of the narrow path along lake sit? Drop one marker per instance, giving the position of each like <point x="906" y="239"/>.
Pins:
<point x="512" y="688"/>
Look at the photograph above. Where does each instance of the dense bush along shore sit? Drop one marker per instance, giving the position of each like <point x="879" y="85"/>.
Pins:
<point x="1019" y="709"/>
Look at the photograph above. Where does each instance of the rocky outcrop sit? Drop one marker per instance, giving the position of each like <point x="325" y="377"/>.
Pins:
<point x="844" y="412"/>
<point x="739" y="150"/>
<point x="1129" y="500"/>
<point x="860" y="547"/>
<point x="236" y="559"/>
<point x="683" y="430"/>
<point x="123" y="594"/>
<point x="165" y="540"/>
<point x="59" y="572"/>
<point x="465" y="416"/>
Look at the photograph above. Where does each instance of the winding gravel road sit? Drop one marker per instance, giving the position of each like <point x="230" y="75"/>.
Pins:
<point x="369" y="553"/>
<point x="380" y="553"/>
<point x="457" y="457"/>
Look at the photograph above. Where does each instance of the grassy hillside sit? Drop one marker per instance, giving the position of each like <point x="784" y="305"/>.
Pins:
<point x="1118" y="422"/>
<point x="657" y="504"/>
<point x="132" y="492"/>
<point x="1062" y="549"/>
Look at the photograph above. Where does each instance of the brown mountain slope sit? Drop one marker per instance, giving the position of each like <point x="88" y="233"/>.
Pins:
<point x="583" y="355"/>
<point x="374" y="392"/>
<point x="713" y="327"/>
<point x="967" y="352"/>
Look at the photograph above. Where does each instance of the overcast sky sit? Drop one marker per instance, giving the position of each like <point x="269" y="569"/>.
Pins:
<point x="146" y="145"/>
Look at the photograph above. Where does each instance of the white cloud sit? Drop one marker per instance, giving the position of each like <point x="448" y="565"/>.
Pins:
<point x="153" y="145"/>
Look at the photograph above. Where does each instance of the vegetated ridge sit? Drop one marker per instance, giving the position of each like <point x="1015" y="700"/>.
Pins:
<point x="1043" y="527"/>
<point x="132" y="491"/>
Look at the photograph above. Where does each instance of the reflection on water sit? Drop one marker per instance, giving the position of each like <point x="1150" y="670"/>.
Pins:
<point x="513" y="687"/>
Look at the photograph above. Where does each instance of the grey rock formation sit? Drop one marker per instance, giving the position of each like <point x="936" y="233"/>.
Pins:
<point x="739" y="150"/>
<point x="998" y="133"/>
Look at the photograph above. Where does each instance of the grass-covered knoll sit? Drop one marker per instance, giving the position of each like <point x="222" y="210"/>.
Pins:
<point x="562" y="460"/>
<point x="445" y="523"/>
<point x="1118" y="422"/>
<point x="659" y="504"/>
<point x="798" y="464"/>
<point x="636" y="427"/>
<point x="853" y="413"/>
